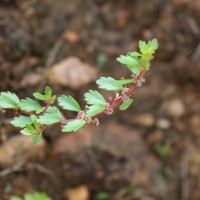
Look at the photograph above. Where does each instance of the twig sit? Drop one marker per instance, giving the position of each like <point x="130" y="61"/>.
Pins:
<point x="16" y="168"/>
<point x="22" y="166"/>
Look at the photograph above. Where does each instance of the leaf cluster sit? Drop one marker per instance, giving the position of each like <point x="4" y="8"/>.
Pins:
<point x="135" y="61"/>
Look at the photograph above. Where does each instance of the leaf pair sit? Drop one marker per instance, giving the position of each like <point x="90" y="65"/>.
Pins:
<point x="69" y="103"/>
<point x="135" y="61"/>
<point x="97" y="102"/>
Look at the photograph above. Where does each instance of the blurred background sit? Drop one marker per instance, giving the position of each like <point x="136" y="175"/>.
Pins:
<point x="150" y="151"/>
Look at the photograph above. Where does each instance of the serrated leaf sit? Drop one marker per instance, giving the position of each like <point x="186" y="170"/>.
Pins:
<point x="125" y="104"/>
<point x="36" y="138"/>
<point x="94" y="97"/>
<point x="153" y="44"/>
<point x="21" y="121"/>
<point x="74" y="125"/>
<point x="94" y="109"/>
<point x="33" y="118"/>
<point x="48" y="92"/>
<point x="52" y="110"/>
<point x="26" y="132"/>
<point x="8" y="100"/>
<point x="30" y="105"/>
<point x="69" y="103"/>
<point x="128" y="60"/>
<point x="39" y="96"/>
<point x="110" y="84"/>
<point x="52" y="116"/>
<point x="131" y="62"/>
<point x="143" y="46"/>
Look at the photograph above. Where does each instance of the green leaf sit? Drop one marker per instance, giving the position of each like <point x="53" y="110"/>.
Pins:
<point x="94" y="97"/>
<point x="128" y="60"/>
<point x="52" y="116"/>
<point x="143" y="46"/>
<point x="153" y="44"/>
<point x="33" y="118"/>
<point x="30" y="105"/>
<point x="26" y="132"/>
<point x="109" y="83"/>
<point x="131" y="62"/>
<point x="39" y="196"/>
<point x="125" y="81"/>
<point x="134" y="69"/>
<point x="94" y="109"/>
<point x="134" y="54"/>
<point x="125" y="104"/>
<point x="30" y="128"/>
<point x="69" y="103"/>
<point x="74" y="125"/>
<point x="15" y="198"/>
<point x="48" y="92"/>
<point x="53" y="99"/>
<point x="39" y="96"/>
<point x="36" y="138"/>
<point x="8" y="100"/>
<point x="21" y="121"/>
<point x="28" y="196"/>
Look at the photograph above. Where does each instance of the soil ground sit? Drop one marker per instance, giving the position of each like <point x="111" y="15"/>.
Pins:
<point x="152" y="150"/>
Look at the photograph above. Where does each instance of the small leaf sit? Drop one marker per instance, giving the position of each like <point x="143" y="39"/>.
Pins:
<point x="39" y="96"/>
<point x="36" y="138"/>
<point x="69" y="103"/>
<point x="125" y="81"/>
<point x="74" y="125"/>
<point x="21" y="121"/>
<point x="134" y="54"/>
<point x="128" y="60"/>
<point x="53" y="99"/>
<point x="153" y="44"/>
<point x="48" y="92"/>
<point x="125" y="104"/>
<point x="8" y="100"/>
<point x="26" y="132"/>
<point x="95" y="109"/>
<point x="132" y="63"/>
<point x="94" y="97"/>
<point x="143" y="46"/>
<point x="33" y="118"/>
<point x="30" y="128"/>
<point x="109" y="83"/>
<point x="134" y="69"/>
<point x="30" y="105"/>
<point x="52" y="116"/>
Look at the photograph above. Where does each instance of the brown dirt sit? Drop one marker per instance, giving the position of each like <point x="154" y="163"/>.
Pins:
<point x="150" y="151"/>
